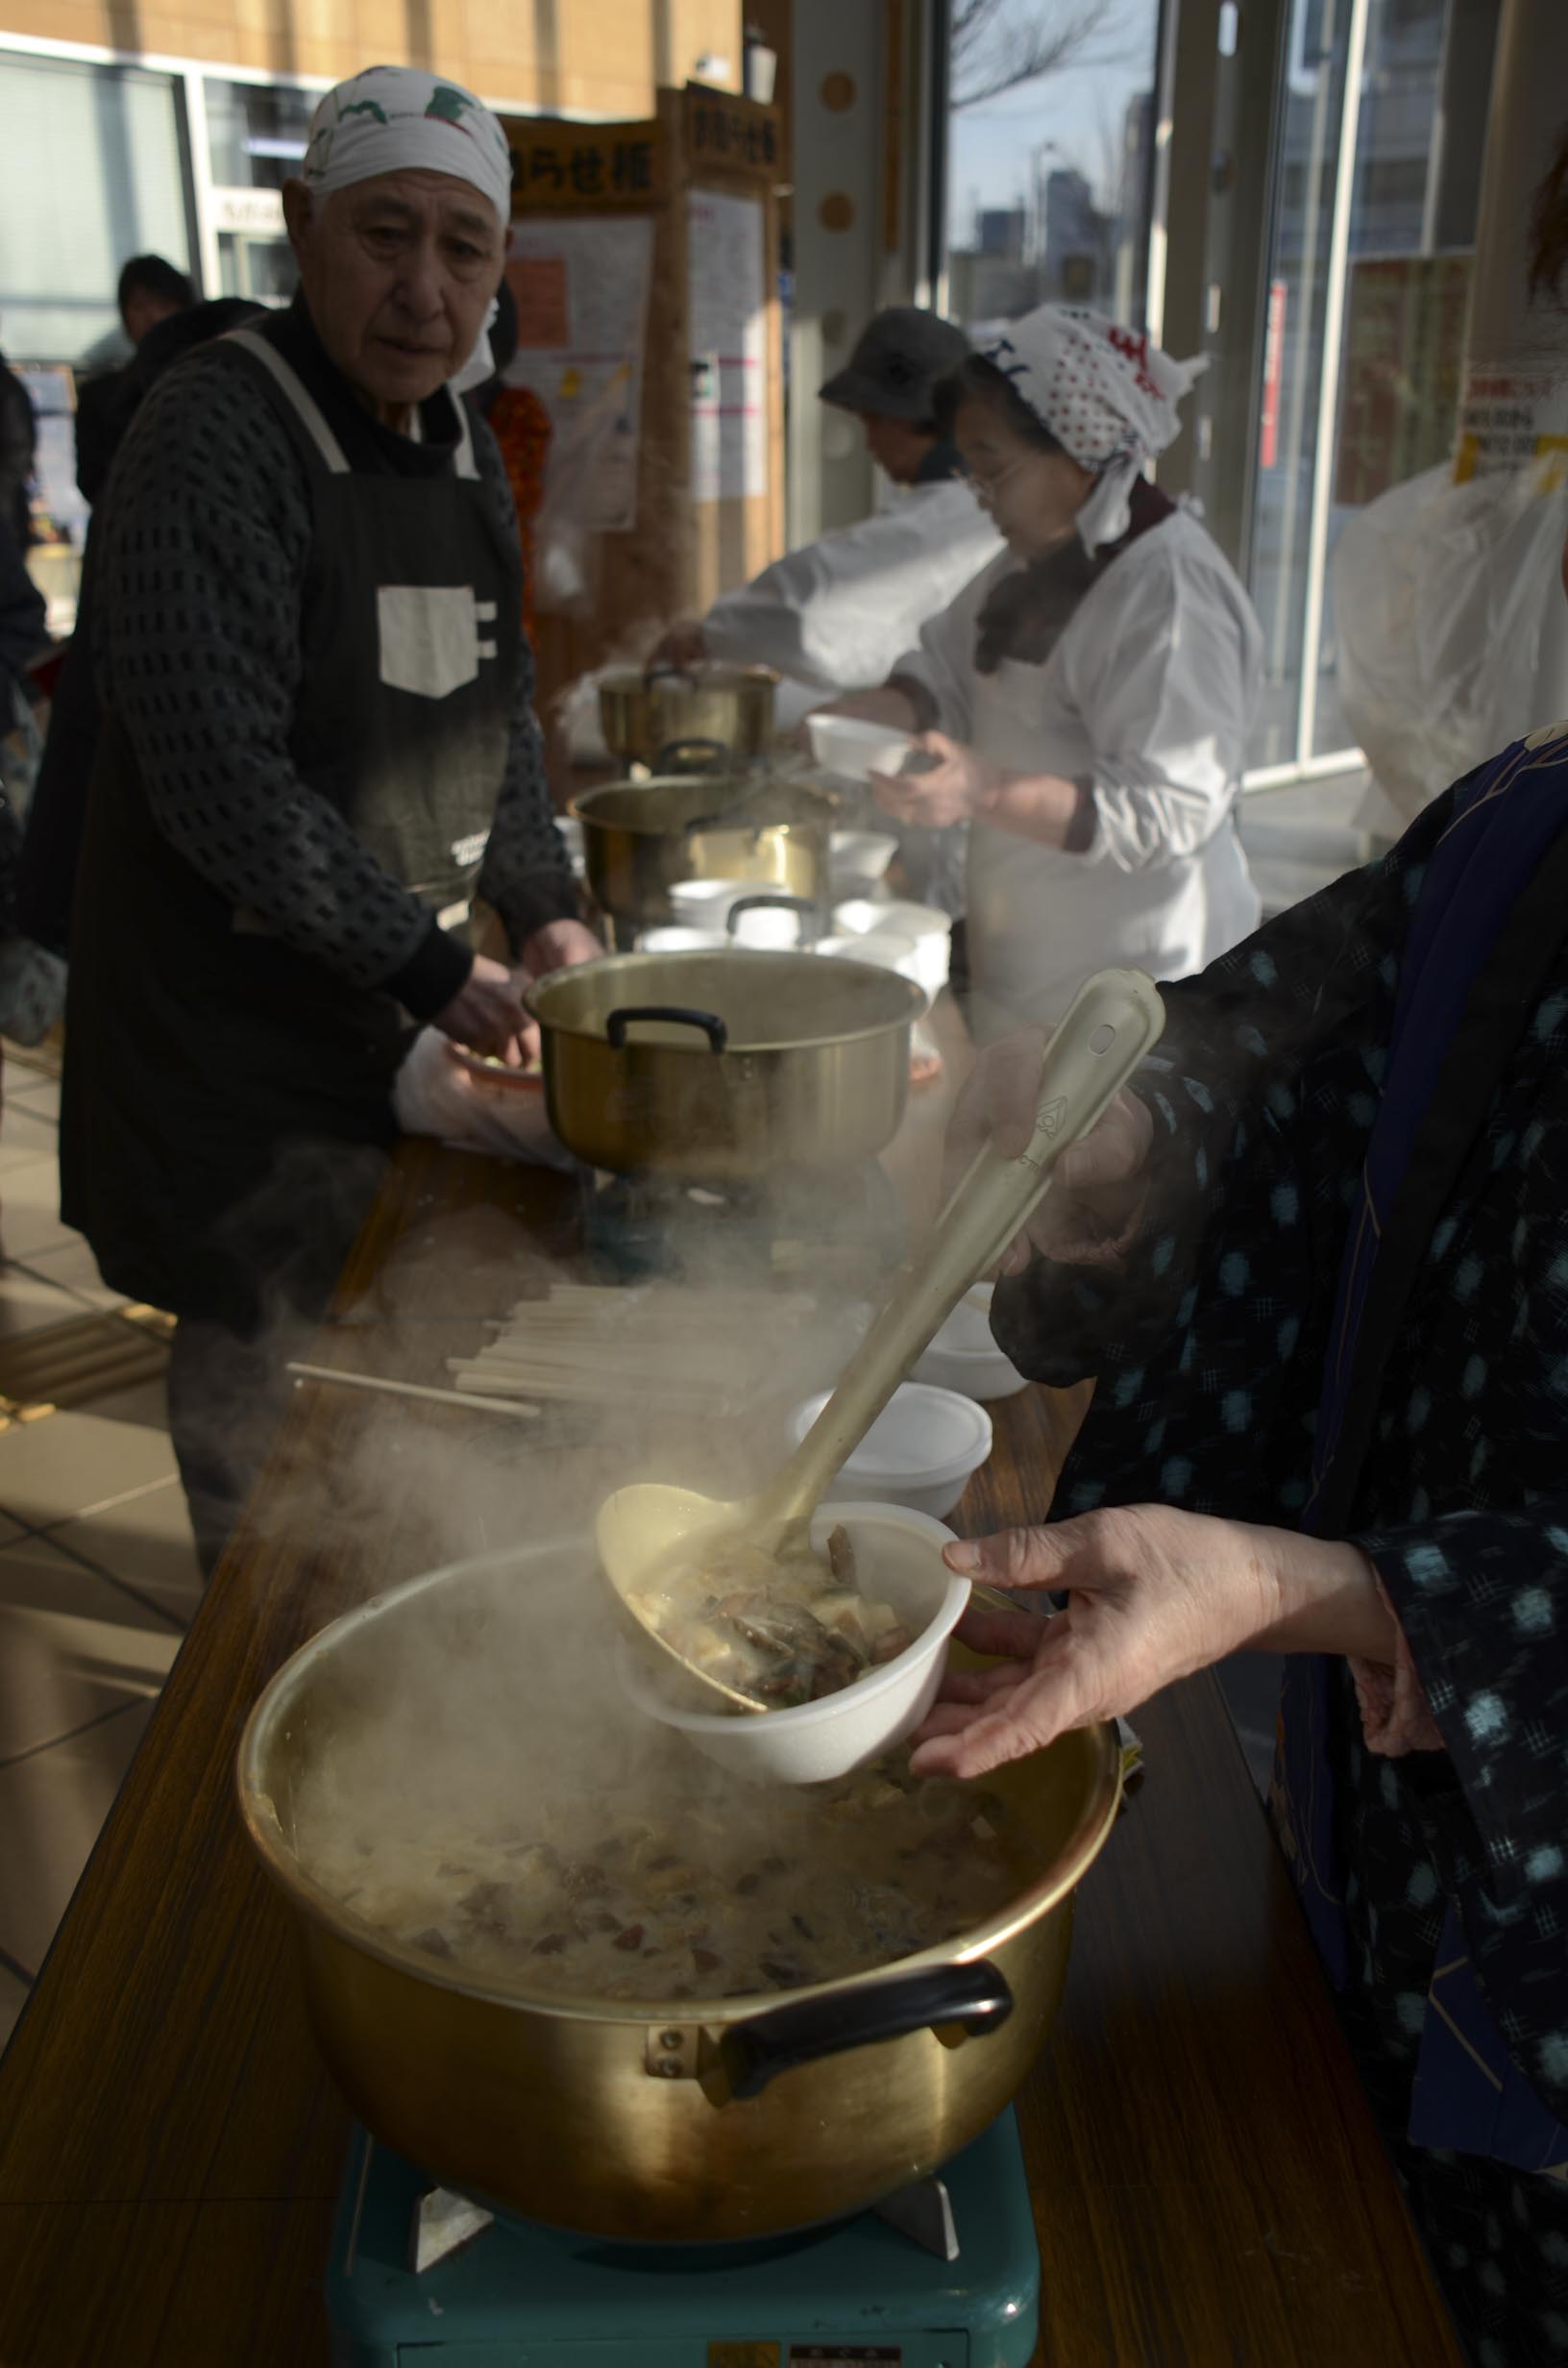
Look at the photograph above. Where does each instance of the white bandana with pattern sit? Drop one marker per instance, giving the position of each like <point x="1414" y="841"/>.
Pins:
<point x="1107" y="396"/>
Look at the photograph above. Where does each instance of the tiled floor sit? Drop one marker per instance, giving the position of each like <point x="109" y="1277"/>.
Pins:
<point x="97" y="1572"/>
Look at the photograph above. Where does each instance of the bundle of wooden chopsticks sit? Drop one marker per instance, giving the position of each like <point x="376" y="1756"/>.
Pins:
<point x="661" y="1346"/>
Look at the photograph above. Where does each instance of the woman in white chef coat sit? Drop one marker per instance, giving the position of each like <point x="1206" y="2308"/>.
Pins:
<point x="1082" y="705"/>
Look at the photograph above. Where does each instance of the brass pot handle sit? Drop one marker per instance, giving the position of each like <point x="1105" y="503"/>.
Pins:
<point x="695" y="755"/>
<point x="975" y="1994"/>
<point x="681" y="1014"/>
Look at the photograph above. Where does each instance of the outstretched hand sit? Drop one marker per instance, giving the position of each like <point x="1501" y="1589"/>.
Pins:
<point x="1152" y="1594"/>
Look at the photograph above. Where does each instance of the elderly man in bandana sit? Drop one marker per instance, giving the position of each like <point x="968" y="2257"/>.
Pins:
<point x="1084" y="703"/>
<point x="318" y="745"/>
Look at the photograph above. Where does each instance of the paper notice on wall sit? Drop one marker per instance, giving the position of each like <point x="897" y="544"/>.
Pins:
<point x="582" y="289"/>
<point x="729" y="346"/>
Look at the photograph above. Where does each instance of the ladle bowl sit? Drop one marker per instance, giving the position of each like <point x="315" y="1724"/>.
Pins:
<point x="648" y="1535"/>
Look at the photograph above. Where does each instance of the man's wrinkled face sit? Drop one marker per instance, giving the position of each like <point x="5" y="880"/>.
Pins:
<point x="397" y="272"/>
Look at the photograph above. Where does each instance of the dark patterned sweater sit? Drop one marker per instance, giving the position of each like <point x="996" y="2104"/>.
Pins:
<point x="200" y="560"/>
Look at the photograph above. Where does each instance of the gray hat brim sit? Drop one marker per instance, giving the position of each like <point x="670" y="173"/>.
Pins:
<point x="848" y="390"/>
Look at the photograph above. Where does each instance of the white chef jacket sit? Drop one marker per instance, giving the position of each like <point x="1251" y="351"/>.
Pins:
<point x="1146" y="698"/>
<point x="836" y="613"/>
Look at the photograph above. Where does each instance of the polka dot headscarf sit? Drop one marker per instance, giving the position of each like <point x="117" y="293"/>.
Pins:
<point x="1107" y="396"/>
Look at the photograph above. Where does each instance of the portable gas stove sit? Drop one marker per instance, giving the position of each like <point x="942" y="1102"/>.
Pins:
<point x="942" y="2274"/>
<point x="798" y="1223"/>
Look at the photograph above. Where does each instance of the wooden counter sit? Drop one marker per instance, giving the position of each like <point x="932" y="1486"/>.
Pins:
<point x="1208" y="2183"/>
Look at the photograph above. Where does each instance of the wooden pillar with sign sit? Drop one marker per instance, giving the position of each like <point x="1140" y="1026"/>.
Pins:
<point x="643" y="262"/>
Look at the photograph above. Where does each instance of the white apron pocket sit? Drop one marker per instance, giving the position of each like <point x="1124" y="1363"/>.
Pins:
<point x="429" y="638"/>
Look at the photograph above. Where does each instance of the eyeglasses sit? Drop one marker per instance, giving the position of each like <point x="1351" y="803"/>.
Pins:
<point x="985" y="489"/>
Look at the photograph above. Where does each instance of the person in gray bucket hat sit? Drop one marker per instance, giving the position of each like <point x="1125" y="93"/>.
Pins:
<point x="837" y="613"/>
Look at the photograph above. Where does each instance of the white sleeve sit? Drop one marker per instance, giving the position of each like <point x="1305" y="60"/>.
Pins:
<point x="1163" y="669"/>
<point x="837" y="613"/>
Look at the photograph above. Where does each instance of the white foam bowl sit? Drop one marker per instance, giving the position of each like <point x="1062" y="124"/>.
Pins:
<point x="920" y="925"/>
<point x="964" y="1357"/>
<point x="674" y="937"/>
<point x="920" y="1452"/>
<point x="771" y="928"/>
<point x="853" y="749"/>
<point x="704" y="904"/>
<point x="858" y="858"/>
<point x="898" y="1561"/>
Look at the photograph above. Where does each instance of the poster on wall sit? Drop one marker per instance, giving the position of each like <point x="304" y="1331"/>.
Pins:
<point x="729" y="346"/>
<point x="1405" y="322"/>
<point x="581" y="288"/>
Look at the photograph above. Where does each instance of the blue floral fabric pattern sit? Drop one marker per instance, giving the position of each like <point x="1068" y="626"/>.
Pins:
<point x="1208" y="1349"/>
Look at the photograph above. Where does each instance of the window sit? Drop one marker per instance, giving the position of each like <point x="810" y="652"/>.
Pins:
<point x="92" y="162"/>
<point x="1051" y="177"/>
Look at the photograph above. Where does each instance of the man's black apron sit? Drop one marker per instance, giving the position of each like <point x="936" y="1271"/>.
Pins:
<point x="213" y="1075"/>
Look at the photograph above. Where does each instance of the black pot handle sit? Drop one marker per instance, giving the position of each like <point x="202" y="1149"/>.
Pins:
<point x="754" y="2052"/>
<point x="694" y="755"/>
<point x="803" y="907"/>
<point x="682" y="1015"/>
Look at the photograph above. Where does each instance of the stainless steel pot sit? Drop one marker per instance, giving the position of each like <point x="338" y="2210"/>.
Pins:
<point x="640" y="837"/>
<point x="725" y="1067"/>
<point x="686" y="2121"/>
<point x="676" y="718"/>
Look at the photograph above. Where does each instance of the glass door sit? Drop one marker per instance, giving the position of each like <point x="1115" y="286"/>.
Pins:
<point x="1381" y="128"/>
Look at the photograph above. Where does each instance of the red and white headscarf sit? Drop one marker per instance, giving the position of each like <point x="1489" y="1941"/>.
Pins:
<point x="1107" y="395"/>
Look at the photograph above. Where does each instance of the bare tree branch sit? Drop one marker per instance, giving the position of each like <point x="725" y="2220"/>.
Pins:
<point x="999" y="44"/>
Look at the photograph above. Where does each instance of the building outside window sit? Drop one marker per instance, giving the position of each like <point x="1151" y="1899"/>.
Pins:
<point x="257" y="135"/>
<point x="1050" y="173"/>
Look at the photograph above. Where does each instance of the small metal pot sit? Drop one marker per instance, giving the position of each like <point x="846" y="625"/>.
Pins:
<point x="725" y="1067"/>
<point x="640" y="837"/>
<point x="724" y="2119"/>
<point x="677" y="719"/>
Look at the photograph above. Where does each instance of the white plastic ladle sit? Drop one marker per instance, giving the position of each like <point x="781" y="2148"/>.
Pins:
<point x="646" y="1532"/>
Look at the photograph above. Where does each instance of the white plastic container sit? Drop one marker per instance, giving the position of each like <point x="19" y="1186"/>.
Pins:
<point x="898" y="1559"/>
<point x="920" y="1452"/>
<point x="921" y="925"/>
<point x="963" y="1356"/>
<point x="852" y="748"/>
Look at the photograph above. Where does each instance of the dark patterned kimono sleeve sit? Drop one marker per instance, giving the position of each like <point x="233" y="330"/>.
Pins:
<point x="1227" y="1076"/>
<point x="1482" y="1598"/>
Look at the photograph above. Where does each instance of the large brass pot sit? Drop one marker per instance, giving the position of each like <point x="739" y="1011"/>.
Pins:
<point x="687" y="2121"/>
<point x="676" y="718"/>
<point x="640" y="837"/>
<point x="725" y="1067"/>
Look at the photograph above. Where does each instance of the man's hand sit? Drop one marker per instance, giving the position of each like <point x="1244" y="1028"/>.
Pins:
<point x="684" y="645"/>
<point x="954" y="789"/>
<point x="1098" y="1185"/>
<point x="488" y="1015"/>
<point x="1152" y="1595"/>
<point x="560" y="945"/>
